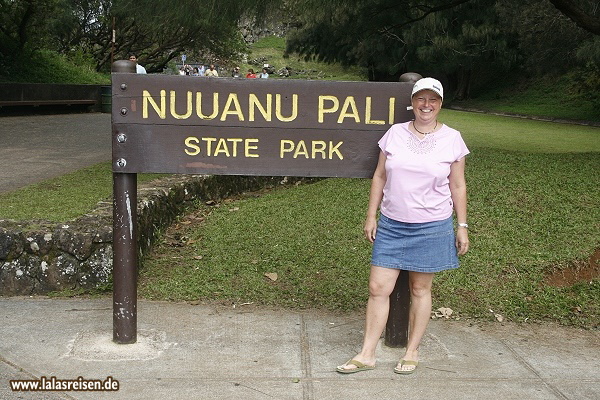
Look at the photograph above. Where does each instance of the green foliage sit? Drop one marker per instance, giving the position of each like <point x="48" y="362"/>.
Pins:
<point x="353" y="33"/>
<point x="547" y="39"/>
<point x="24" y="29"/>
<point x="24" y="24"/>
<point x="45" y="66"/>
<point x="571" y="96"/>
<point x="466" y="36"/>
<point x="585" y="83"/>
<point x="159" y="32"/>
<point x="156" y="30"/>
<point x="464" y="43"/>
<point x="271" y="50"/>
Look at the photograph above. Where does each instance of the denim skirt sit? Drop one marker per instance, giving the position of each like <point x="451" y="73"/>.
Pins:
<point x="420" y="247"/>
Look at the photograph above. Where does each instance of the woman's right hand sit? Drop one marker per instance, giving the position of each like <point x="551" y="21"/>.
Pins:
<point x="370" y="228"/>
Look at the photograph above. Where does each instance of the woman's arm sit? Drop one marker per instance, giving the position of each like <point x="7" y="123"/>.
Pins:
<point x="458" y="191"/>
<point x="375" y="197"/>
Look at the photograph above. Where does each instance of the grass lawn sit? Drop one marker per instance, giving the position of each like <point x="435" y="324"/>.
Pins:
<point x="523" y="135"/>
<point x="54" y="200"/>
<point x="534" y="215"/>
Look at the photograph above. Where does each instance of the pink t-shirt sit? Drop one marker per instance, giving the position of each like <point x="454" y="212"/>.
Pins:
<point x="417" y="187"/>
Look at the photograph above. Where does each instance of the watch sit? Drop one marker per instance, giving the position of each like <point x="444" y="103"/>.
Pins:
<point x="464" y="225"/>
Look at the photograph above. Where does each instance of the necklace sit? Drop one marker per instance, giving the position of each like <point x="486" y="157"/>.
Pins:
<point x="425" y="133"/>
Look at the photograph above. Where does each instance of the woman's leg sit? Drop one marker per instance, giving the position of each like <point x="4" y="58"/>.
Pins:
<point x="419" y="314"/>
<point x="381" y="284"/>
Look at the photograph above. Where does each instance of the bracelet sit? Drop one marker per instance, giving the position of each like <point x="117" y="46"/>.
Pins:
<point x="463" y="225"/>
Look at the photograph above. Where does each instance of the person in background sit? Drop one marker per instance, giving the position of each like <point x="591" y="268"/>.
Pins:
<point x="264" y="73"/>
<point x="235" y="73"/>
<point x="195" y="72"/>
<point x="418" y="184"/>
<point x="211" y="71"/>
<point x="138" y="68"/>
<point x="251" y="74"/>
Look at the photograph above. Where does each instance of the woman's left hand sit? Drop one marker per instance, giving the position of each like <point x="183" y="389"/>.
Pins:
<point x="462" y="241"/>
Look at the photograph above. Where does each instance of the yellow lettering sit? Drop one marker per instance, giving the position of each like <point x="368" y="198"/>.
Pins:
<point x="391" y="113"/>
<point x="285" y="146"/>
<point x="215" y="109"/>
<point x="235" y="142"/>
<point x="278" y="108"/>
<point x="255" y="103"/>
<point x="335" y="150"/>
<point x="318" y="146"/>
<point x="349" y="102"/>
<point x="221" y="148"/>
<point x="248" y="148"/>
<point x="189" y="106"/>
<point x="323" y="110"/>
<point x="301" y="149"/>
<point x="232" y="100"/>
<point x="209" y="141"/>
<point x="161" y="111"/>
<point x="368" y="119"/>
<point x="189" y="142"/>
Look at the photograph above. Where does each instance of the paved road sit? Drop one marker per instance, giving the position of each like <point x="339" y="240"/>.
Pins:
<point x="38" y="147"/>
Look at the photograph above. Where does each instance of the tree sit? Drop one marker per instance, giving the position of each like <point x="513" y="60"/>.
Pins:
<point x="462" y="39"/>
<point x="391" y="37"/>
<point x="463" y="44"/>
<point x="583" y="12"/>
<point x="158" y="31"/>
<point x="23" y="23"/>
<point x="367" y="33"/>
<point x="547" y="40"/>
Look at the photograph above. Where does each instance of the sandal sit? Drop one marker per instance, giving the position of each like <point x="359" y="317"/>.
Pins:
<point x="406" y="371"/>
<point x="359" y="367"/>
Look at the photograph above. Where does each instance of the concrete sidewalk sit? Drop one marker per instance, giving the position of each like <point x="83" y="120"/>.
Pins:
<point x="215" y="352"/>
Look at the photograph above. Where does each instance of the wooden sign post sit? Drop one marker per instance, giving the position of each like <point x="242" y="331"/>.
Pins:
<point x="232" y="126"/>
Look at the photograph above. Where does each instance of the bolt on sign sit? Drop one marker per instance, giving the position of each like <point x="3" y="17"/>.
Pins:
<point x="269" y="127"/>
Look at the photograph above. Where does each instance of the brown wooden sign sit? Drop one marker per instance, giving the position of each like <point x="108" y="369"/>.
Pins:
<point x="228" y="126"/>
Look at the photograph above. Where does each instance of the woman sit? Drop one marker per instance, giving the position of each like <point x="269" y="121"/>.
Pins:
<point x="251" y="74"/>
<point x="418" y="183"/>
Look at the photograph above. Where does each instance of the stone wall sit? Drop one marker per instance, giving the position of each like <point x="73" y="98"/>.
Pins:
<point x="38" y="257"/>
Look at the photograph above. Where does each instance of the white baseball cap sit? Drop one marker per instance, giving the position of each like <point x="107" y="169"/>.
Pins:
<point x="428" y="84"/>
